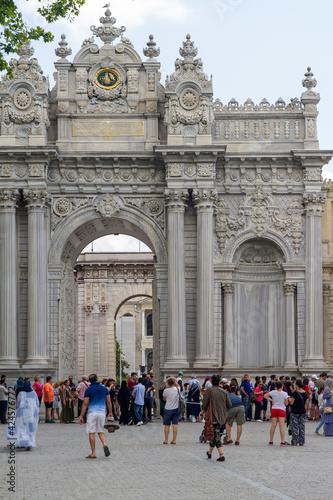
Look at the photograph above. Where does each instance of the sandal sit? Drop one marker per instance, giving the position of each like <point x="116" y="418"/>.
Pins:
<point x="173" y="442"/>
<point x="89" y="456"/>
<point x="165" y="442"/>
<point x="229" y="441"/>
<point x="237" y="443"/>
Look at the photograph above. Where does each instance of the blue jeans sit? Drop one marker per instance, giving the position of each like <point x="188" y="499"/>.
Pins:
<point x="149" y="405"/>
<point x="138" y="412"/>
<point x="246" y="403"/>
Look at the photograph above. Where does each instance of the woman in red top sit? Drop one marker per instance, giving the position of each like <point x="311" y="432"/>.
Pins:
<point x="38" y="389"/>
<point x="307" y="390"/>
<point x="260" y="396"/>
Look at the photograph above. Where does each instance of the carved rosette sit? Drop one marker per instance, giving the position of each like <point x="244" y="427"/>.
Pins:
<point x="107" y="206"/>
<point x="175" y="199"/>
<point x="289" y="288"/>
<point x="25" y="97"/>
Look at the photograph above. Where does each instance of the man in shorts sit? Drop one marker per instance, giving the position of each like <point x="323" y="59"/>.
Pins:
<point x="95" y="398"/>
<point x="48" y="399"/>
<point x="236" y="412"/>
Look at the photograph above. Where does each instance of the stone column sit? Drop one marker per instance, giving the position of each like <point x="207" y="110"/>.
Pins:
<point x="314" y="345"/>
<point x="176" y="345"/>
<point x="290" y="353"/>
<point x="327" y="324"/>
<point x="204" y="201"/>
<point x="37" y="279"/>
<point x="8" y="279"/>
<point x="229" y="341"/>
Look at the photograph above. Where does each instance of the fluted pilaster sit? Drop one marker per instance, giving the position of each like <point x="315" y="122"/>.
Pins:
<point x="37" y="278"/>
<point x="229" y="360"/>
<point x="177" y="354"/>
<point x="204" y="202"/>
<point x="314" y="343"/>
<point x="8" y="279"/>
<point x="290" y="354"/>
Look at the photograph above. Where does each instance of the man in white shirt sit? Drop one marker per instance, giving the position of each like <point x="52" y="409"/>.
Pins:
<point x="139" y="395"/>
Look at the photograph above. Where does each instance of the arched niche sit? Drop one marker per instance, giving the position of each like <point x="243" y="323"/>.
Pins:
<point x="259" y="304"/>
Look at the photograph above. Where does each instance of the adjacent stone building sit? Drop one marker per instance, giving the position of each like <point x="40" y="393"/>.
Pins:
<point x="227" y="196"/>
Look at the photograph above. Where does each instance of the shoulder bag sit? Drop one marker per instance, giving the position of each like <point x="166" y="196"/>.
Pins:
<point x="209" y="428"/>
<point x="181" y="404"/>
<point x="327" y="409"/>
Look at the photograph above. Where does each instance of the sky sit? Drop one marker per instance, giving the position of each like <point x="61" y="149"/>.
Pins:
<point x="253" y="48"/>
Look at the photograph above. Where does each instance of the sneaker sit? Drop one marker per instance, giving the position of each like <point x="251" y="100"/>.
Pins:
<point x="139" y="423"/>
<point x="284" y="443"/>
<point x="259" y="420"/>
<point x="270" y="443"/>
<point x="317" y="432"/>
<point x="221" y="459"/>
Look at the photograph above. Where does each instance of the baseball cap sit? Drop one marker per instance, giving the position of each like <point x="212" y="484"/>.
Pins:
<point x="314" y="376"/>
<point x="180" y="373"/>
<point x="224" y="380"/>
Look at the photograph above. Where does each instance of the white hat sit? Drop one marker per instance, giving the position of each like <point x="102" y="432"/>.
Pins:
<point x="314" y="376"/>
<point x="224" y="380"/>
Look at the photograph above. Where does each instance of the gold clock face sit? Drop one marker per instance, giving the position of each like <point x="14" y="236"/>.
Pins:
<point x="107" y="78"/>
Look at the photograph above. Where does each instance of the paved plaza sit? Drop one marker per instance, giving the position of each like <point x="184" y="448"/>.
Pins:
<point x="141" y="467"/>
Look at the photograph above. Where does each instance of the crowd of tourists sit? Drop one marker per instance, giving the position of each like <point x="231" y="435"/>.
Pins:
<point x="286" y="402"/>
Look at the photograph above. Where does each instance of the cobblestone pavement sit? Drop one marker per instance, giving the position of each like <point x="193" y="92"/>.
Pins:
<point x="141" y="467"/>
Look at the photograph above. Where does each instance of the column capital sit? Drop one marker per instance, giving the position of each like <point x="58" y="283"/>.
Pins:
<point x="313" y="203"/>
<point x="289" y="288"/>
<point x="175" y="199"/>
<point x="36" y="198"/>
<point x="8" y="200"/>
<point x="204" y="199"/>
<point x="228" y="288"/>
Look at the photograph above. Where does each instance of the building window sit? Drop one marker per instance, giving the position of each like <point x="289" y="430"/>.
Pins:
<point x="149" y="325"/>
<point x="127" y="314"/>
<point x="149" y="362"/>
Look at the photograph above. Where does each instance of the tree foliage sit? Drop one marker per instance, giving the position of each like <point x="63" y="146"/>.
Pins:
<point x="14" y="30"/>
<point x="124" y="364"/>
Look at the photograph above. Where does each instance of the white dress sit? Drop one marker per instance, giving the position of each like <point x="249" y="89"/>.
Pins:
<point x="22" y="429"/>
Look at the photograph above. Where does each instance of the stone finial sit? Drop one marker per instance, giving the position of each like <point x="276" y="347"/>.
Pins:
<point x="188" y="51"/>
<point x="151" y="51"/>
<point x="25" y="51"/>
<point x="309" y="82"/>
<point x="62" y="51"/>
<point x="107" y="32"/>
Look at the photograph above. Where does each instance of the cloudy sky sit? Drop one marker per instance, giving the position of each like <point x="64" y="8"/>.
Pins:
<point x="253" y="48"/>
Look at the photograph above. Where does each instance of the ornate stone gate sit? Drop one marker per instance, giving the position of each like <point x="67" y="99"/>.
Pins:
<point x="227" y="196"/>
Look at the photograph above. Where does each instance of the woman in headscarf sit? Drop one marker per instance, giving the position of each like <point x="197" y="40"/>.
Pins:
<point x="67" y="404"/>
<point x="328" y="398"/>
<point x="123" y="400"/>
<point x="18" y="386"/>
<point x="194" y="402"/>
<point x="22" y="430"/>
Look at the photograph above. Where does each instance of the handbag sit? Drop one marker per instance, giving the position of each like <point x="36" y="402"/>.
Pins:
<point x="253" y="398"/>
<point x="327" y="409"/>
<point x="181" y="404"/>
<point x="209" y="428"/>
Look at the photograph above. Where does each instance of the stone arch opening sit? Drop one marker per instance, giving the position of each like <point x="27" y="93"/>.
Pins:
<point x="131" y="331"/>
<point x="68" y="304"/>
